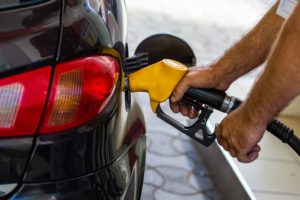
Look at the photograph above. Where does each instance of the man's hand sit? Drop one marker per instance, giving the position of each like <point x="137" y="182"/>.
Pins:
<point x="240" y="131"/>
<point x="198" y="77"/>
<point x="239" y="135"/>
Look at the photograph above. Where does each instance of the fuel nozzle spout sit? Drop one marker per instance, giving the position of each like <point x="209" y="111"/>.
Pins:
<point x="158" y="80"/>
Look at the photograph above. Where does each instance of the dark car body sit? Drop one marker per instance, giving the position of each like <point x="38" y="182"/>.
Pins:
<point x="102" y="157"/>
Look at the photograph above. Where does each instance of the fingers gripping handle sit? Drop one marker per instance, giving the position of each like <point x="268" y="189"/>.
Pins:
<point x="220" y="101"/>
<point x="160" y="79"/>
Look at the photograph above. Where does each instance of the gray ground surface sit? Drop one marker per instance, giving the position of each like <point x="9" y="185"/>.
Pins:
<point x="174" y="169"/>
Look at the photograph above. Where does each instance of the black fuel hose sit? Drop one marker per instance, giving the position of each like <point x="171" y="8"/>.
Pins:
<point x="219" y="100"/>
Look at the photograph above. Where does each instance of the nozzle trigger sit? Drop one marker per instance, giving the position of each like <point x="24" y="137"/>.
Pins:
<point x="198" y="131"/>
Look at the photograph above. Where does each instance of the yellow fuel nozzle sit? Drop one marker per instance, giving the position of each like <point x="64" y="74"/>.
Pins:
<point x="158" y="80"/>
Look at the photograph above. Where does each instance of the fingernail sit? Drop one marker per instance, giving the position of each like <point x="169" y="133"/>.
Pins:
<point x="176" y="108"/>
<point x="173" y="99"/>
<point x="253" y="155"/>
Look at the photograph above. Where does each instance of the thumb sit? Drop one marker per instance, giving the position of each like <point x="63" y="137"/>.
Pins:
<point x="179" y="91"/>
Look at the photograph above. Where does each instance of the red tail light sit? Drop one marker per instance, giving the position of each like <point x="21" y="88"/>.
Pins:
<point x="80" y="90"/>
<point x="22" y="99"/>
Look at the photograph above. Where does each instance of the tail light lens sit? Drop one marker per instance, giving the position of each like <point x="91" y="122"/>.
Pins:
<point x="80" y="90"/>
<point x="22" y="99"/>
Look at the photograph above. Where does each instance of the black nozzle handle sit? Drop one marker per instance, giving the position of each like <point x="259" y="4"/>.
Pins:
<point x="219" y="100"/>
<point x="211" y="97"/>
<point x="214" y="98"/>
<point x="198" y="131"/>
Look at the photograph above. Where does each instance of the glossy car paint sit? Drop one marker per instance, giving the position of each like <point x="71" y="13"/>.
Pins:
<point x="87" y="29"/>
<point x="91" y="155"/>
<point x="117" y="181"/>
<point x="22" y="49"/>
<point x="28" y="36"/>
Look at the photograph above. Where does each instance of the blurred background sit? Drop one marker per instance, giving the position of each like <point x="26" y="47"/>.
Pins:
<point x="208" y="26"/>
<point x="175" y="170"/>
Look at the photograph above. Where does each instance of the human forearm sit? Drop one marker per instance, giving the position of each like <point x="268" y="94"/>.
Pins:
<point x="251" y="50"/>
<point x="280" y="82"/>
<point x="240" y="132"/>
<point x="244" y="56"/>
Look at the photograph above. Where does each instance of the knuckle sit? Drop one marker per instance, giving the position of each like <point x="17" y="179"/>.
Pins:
<point x="174" y="109"/>
<point x="232" y="154"/>
<point x="242" y="159"/>
<point x="218" y="131"/>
